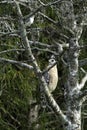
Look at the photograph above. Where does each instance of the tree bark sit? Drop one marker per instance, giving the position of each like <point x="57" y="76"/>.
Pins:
<point x="73" y="105"/>
<point x="72" y="91"/>
<point x="72" y="32"/>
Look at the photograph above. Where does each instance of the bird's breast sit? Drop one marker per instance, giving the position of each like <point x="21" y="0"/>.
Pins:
<point x="53" y="79"/>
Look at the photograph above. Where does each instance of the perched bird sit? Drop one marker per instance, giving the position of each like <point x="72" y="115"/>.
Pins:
<point x="51" y="78"/>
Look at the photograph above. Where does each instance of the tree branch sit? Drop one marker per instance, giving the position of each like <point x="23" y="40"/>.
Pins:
<point x="45" y="50"/>
<point x="11" y="50"/>
<point x="24" y="65"/>
<point x="49" y="19"/>
<point x="12" y="33"/>
<point x="37" y="70"/>
<point x="83" y="96"/>
<point x="83" y="62"/>
<point x="26" y="18"/>
<point x="81" y="85"/>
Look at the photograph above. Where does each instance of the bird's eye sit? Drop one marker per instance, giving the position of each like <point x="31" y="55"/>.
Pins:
<point x="52" y="60"/>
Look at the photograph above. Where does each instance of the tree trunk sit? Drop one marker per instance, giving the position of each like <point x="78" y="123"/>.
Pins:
<point x="33" y="116"/>
<point x="73" y="105"/>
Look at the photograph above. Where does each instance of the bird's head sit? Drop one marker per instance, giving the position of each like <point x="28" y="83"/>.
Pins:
<point x="52" y="60"/>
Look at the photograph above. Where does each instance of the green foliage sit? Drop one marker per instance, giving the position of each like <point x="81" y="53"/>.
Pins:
<point x="18" y="85"/>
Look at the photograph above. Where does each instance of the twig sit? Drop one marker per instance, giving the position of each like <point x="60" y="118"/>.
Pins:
<point x="12" y="33"/>
<point x="11" y="50"/>
<point x="45" y="16"/>
<point x="83" y="62"/>
<point x="24" y="65"/>
<point x="45" y="50"/>
<point x="82" y="84"/>
<point x="39" y="8"/>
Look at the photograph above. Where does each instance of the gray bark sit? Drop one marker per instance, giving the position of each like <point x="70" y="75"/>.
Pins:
<point x="72" y="87"/>
<point x="73" y="105"/>
<point x="73" y="90"/>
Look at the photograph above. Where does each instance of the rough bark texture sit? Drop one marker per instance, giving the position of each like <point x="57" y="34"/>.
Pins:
<point x="73" y="106"/>
<point x="33" y="116"/>
<point x="71" y="34"/>
<point x="37" y="70"/>
<point x="72" y="92"/>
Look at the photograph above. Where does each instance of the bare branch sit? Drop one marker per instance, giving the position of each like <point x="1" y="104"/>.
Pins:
<point x="49" y="19"/>
<point x="40" y="44"/>
<point x="82" y="84"/>
<point x="56" y="107"/>
<point x="50" y="3"/>
<point x="9" y="18"/>
<point x="12" y="33"/>
<point x="83" y="96"/>
<point x="10" y="1"/>
<point x="6" y="1"/>
<point x="83" y="70"/>
<point x="26" y="18"/>
<point x="41" y="2"/>
<point x="83" y="62"/>
<point x="45" y="50"/>
<point x="24" y="65"/>
<point x="37" y="70"/>
<point x="11" y="116"/>
<point x="11" y="50"/>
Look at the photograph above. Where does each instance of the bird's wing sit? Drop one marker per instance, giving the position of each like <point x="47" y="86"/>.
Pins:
<point x="47" y="78"/>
